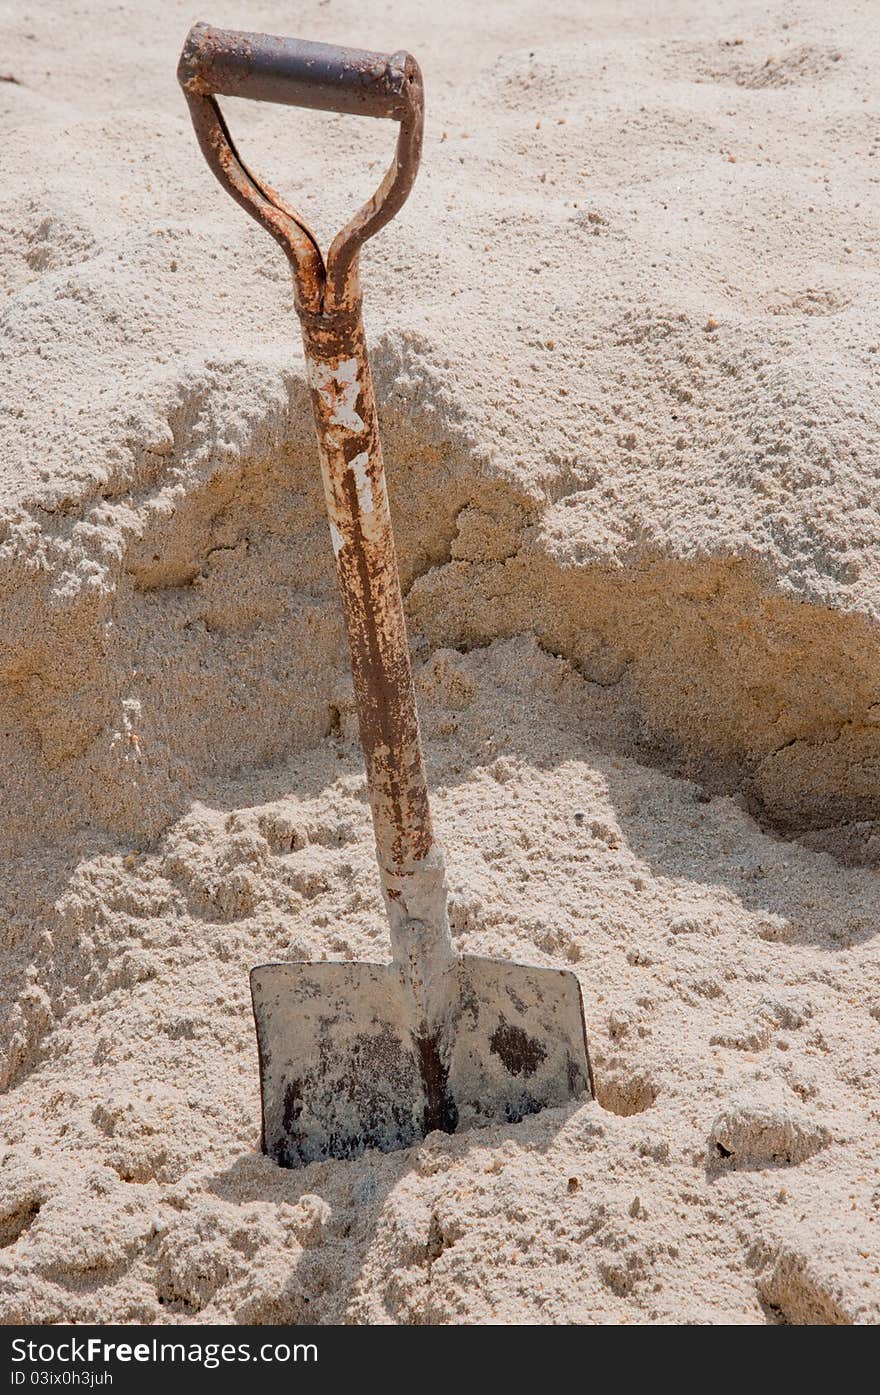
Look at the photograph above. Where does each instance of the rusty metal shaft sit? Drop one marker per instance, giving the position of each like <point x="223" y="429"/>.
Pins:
<point x="410" y="863"/>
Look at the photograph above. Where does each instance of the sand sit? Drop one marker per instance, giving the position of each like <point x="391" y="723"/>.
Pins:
<point x="626" y="346"/>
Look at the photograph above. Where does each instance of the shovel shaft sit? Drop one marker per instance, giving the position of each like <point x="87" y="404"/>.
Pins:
<point x="410" y="862"/>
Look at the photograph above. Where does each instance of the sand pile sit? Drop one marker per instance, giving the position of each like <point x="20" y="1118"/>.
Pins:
<point x="625" y="346"/>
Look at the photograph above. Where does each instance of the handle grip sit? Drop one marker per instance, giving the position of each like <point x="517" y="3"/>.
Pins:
<point x="295" y="72"/>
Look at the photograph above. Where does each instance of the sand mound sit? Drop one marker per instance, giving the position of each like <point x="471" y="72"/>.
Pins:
<point x="625" y="346"/>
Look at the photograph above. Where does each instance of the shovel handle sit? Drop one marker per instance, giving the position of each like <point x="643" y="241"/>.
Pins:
<point x="295" y="72"/>
<point x="328" y="299"/>
<point x="225" y="62"/>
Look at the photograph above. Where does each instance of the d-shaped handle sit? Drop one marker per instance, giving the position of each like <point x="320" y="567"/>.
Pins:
<point x="224" y="62"/>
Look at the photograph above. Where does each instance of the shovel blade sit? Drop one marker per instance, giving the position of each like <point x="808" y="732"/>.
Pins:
<point x="519" y="1044"/>
<point x="347" y="1063"/>
<point x="337" y="1070"/>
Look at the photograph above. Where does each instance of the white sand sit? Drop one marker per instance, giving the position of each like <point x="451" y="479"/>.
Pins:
<point x="626" y="346"/>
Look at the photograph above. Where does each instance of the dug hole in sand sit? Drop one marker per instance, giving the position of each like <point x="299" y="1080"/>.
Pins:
<point x="625" y="344"/>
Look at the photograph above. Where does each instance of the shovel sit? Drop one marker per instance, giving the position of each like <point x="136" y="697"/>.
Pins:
<point x="354" y="1055"/>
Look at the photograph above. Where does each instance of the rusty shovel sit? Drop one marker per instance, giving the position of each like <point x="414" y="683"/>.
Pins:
<point x="354" y="1055"/>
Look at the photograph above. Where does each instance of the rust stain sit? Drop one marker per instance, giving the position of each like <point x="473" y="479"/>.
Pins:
<point x="520" y="1053"/>
<point x="440" y="1110"/>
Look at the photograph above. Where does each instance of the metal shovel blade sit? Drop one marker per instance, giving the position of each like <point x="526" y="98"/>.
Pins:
<point x="346" y="1064"/>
